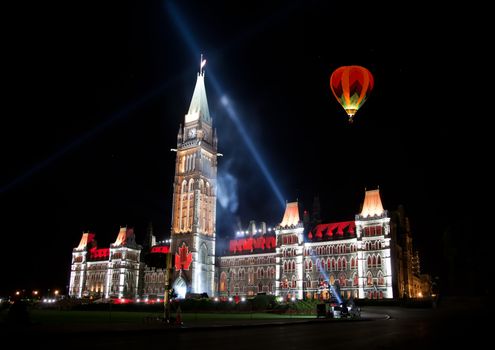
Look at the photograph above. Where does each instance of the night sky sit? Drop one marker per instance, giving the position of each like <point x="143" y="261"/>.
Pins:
<point x="95" y="96"/>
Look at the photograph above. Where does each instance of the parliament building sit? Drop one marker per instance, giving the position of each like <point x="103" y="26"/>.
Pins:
<point x="369" y="257"/>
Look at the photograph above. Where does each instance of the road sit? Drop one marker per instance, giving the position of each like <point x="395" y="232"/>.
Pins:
<point x="404" y="329"/>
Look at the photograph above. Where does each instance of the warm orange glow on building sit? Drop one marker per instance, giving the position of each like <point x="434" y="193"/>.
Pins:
<point x="86" y="238"/>
<point x="372" y="204"/>
<point x="122" y="237"/>
<point x="291" y="215"/>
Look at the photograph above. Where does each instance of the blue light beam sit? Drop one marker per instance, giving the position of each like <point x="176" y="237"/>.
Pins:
<point x="134" y="105"/>
<point x="179" y="22"/>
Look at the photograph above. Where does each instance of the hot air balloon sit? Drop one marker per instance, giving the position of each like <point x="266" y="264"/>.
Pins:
<point x="351" y="86"/>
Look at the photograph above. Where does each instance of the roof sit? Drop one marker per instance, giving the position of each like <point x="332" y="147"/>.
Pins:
<point x="86" y="239"/>
<point x="291" y="215"/>
<point x="199" y="103"/>
<point x="372" y="205"/>
<point x="345" y="229"/>
<point x="125" y="237"/>
<point x="263" y="244"/>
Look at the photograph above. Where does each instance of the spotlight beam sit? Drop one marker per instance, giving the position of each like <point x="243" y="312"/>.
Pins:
<point x="116" y="116"/>
<point x="179" y="22"/>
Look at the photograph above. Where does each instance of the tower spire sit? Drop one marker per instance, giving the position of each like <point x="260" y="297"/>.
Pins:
<point x="198" y="109"/>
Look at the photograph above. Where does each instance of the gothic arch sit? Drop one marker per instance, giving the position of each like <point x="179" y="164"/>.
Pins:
<point x="381" y="280"/>
<point x="180" y="287"/>
<point x="369" y="278"/>
<point x="223" y="282"/>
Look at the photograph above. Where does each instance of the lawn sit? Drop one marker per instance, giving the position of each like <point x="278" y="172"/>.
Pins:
<point x="92" y="317"/>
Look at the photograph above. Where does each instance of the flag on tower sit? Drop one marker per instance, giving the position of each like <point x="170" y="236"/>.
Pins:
<point x="203" y="63"/>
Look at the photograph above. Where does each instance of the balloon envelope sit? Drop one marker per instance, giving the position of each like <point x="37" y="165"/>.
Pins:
<point x="351" y="86"/>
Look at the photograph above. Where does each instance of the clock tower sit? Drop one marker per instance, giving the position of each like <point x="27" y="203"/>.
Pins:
<point x="194" y="198"/>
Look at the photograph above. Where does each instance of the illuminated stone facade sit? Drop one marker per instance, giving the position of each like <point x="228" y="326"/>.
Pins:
<point x="352" y="257"/>
<point x="194" y="199"/>
<point x="369" y="257"/>
<point x="106" y="272"/>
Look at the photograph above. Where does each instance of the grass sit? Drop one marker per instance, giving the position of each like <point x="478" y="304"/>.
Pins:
<point x="95" y="317"/>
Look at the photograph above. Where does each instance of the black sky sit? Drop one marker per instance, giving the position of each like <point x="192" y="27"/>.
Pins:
<point x="96" y="94"/>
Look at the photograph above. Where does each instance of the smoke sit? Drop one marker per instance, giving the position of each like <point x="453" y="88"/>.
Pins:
<point x="227" y="190"/>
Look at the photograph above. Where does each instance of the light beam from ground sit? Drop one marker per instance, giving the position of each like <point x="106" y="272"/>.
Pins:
<point x="88" y="135"/>
<point x="179" y="22"/>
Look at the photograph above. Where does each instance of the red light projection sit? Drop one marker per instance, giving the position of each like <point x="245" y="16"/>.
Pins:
<point x="250" y="244"/>
<point x="334" y="230"/>
<point x="99" y="254"/>
<point x="184" y="259"/>
<point x="160" y="249"/>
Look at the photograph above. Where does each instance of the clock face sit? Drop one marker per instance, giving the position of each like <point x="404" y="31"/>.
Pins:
<point x="192" y="132"/>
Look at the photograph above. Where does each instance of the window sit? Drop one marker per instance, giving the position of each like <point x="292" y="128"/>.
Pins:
<point x="250" y="276"/>
<point x="381" y="280"/>
<point x="369" y="279"/>
<point x="355" y="280"/>
<point x="379" y="261"/>
<point x="223" y="282"/>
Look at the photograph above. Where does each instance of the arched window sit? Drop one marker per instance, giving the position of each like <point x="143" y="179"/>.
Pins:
<point x="284" y="267"/>
<point x="355" y="280"/>
<point x="339" y="264"/>
<point x="223" y="282"/>
<point x="250" y="276"/>
<point x="294" y="282"/>
<point x="334" y="264"/>
<point x="373" y="259"/>
<point x="203" y="257"/>
<point x="329" y="264"/>
<point x="352" y="263"/>
<point x="379" y="261"/>
<point x="308" y="281"/>
<point x="344" y="263"/>
<point x="381" y="280"/>
<point x="293" y="265"/>
<point x="284" y="283"/>
<point x="369" y="261"/>
<point x="369" y="279"/>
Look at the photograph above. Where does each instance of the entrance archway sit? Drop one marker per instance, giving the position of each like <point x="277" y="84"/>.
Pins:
<point x="180" y="287"/>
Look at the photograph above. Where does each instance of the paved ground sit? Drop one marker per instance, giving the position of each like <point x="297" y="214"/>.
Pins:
<point x="460" y="323"/>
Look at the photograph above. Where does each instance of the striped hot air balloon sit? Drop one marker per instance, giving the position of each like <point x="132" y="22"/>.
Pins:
<point x="351" y="86"/>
